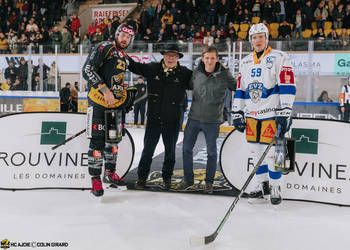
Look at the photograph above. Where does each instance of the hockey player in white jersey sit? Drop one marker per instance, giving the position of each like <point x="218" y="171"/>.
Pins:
<point x="263" y="102"/>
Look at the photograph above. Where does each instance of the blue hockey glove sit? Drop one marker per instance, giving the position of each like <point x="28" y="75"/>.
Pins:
<point x="238" y="121"/>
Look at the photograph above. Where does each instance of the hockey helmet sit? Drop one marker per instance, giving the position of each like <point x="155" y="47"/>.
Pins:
<point x="258" y="28"/>
<point x="126" y="29"/>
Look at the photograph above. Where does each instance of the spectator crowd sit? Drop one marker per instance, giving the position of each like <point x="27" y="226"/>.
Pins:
<point x="203" y="22"/>
<point x="218" y="21"/>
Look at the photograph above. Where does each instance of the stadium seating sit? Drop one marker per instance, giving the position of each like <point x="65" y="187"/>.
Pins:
<point x="326" y="32"/>
<point x="274" y="26"/>
<point x="244" y="27"/>
<point x="339" y="31"/>
<point x="307" y="33"/>
<point x="314" y="25"/>
<point x="328" y="25"/>
<point x="255" y="19"/>
<point x="242" y="34"/>
<point x="236" y="26"/>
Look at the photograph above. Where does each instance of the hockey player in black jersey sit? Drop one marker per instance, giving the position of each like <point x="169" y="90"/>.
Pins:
<point x="108" y="96"/>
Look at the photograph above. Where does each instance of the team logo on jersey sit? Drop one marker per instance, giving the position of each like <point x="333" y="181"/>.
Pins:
<point x="287" y="75"/>
<point x="255" y="90"/>
<point x="269" y="61"/>
<point x="117" y="85"/>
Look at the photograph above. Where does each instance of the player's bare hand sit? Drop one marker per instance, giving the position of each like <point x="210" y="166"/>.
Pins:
<point x="109" y="97"/>
<point x="342" y="109"/>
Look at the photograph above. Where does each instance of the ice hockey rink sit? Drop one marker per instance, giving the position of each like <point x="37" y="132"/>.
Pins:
<point x="144" y="220"/>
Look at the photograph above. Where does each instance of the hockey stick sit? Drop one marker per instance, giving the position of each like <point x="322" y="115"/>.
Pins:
<point x="68" y="139"/>
<point x="198" y="240"/>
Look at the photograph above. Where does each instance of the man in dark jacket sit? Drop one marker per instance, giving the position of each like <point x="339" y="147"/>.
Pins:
<point x="11" y="71"/>
<point x="166" y="85"/>
<point x="140" y="106"/>
<point x="23" y="73"/>
<point x="65" y="99"/>
<point x="209" y="82"/>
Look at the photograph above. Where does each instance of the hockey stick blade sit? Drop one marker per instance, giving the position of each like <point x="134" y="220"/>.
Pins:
<point x="200" y="241"/>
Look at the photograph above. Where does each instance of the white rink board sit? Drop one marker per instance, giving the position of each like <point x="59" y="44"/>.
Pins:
<point x="27" y="160"/>
<point x="322" y="174"/>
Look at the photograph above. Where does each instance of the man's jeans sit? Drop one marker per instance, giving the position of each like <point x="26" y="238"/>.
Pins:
<point x="211" y="133"/>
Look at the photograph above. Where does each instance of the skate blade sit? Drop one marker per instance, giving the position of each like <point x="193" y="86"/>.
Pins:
<point x="112" y="188"/>
<point x="258" y="201"/>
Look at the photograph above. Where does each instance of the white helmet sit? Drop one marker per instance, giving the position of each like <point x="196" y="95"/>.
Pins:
<point x="258" y="28"/>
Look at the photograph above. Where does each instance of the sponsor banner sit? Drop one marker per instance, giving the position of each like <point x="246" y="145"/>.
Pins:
<point x="102" y="12"/>
<point x="342" y="64"/>
<point x="27" y="101"/>
<point x="10" y="105"/>
<point x="29" y="162"/>
<point x="322" y="169"/>
<point x="320" y="64"/>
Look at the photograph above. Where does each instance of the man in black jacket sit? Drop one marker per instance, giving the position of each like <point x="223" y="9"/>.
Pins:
<point x="140" y="106"/>
<point x="166" y="85"/>
<point x="65" y="99"/>
<point x="11" y="71"/>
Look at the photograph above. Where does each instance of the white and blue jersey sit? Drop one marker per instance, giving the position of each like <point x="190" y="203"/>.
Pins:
<point x="266" y="85"/>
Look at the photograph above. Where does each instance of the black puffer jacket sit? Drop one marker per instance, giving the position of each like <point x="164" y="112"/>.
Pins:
<point x="166" y="92"/>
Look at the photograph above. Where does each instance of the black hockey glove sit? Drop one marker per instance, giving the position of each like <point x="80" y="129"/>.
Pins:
<point x="238" y="121"/>
<point x="129" y="102"/>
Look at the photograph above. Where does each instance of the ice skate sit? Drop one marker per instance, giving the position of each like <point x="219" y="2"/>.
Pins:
<point x="275" y="197"/>
<point x="260" y="194"/>
<point x="97" y="188"/>
<point x="113" y="181"/>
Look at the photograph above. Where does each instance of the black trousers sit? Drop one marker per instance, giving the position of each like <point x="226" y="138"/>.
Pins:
<point x="139" y="108"/>
<point x="74" y="106"/>
<point x="64" y="107"/>
<point x="169" y="132"/>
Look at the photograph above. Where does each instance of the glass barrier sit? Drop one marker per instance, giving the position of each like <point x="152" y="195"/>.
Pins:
<point x="319" y="66"/>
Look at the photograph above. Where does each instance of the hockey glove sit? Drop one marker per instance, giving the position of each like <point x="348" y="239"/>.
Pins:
<point x="238" y="121"/>
<point x="131" y="93"/>
<point x="283" y="120"/>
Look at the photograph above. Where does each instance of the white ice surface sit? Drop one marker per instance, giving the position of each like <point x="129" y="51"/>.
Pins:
<point x="150" y="221"/>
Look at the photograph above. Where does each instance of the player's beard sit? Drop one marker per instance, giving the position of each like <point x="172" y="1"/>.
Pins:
<point x="121" y="45"/>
